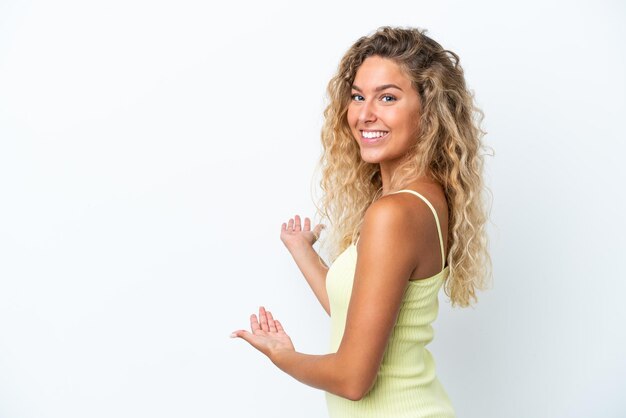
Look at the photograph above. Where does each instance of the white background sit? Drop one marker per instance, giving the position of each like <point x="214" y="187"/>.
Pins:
<point x="149" y="152"/>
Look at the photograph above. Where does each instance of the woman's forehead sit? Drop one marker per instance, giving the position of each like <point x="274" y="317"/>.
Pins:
<point x="376" y="71"/>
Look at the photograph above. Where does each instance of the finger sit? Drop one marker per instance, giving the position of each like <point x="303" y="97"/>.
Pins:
<point x="243" y="334"/>
<point x="254" y="324"/>
<point x="307" y="224"/>
<point x="284" y="226"/>
<point x="263" y="319"/>
<point x="270" y="322"/>
<point x="279" y="326"/>
<point x="238" y="333"/>
<point x="297" y="226"/>
<point x="290" y="225"/>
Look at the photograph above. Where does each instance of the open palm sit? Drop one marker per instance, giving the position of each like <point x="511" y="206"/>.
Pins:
<point x="267" y="336"/>
<point x="293" y="233"/>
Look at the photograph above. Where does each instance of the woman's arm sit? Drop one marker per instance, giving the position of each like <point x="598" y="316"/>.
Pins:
<point x="386" y="258"/>
<point x="299" y="240"/>
<point x="314" y="271"/>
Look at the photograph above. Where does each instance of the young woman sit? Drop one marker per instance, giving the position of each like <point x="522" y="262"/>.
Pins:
<point x="402" y="176"/>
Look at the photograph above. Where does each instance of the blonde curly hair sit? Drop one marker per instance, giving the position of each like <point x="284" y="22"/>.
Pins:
<point x="447" y="148"/>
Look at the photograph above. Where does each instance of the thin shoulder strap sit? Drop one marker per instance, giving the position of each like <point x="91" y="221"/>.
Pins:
<point x="443" y="259"/>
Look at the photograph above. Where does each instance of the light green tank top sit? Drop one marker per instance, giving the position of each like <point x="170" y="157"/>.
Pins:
<point x="406" y="384"/>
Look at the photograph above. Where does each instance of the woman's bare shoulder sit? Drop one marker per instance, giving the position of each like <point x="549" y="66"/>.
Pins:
<point x="413" y="220"/>
<point x="403" y="201"/>
<point x="392" y="215"/>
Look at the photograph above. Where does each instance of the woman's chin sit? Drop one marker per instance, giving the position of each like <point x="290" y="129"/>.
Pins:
<point x="370" y="157"/>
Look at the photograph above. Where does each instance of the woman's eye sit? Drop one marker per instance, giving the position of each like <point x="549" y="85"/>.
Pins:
<point x="389" y="97"/>
<point x="357" y="97"/>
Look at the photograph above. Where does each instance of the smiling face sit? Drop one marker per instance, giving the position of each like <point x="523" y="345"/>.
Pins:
<point x="383" y="114"/>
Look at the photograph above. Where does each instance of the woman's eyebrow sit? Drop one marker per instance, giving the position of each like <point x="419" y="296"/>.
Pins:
<point x="379" y="88"/>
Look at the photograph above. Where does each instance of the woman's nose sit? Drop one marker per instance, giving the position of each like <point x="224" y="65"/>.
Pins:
<point x="367" y="113"/>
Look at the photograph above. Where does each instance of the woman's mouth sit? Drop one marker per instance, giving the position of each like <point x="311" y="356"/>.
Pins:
<point x="371" y="137"/>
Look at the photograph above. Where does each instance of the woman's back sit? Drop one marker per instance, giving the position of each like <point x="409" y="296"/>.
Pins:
<point x="406" y="384"/>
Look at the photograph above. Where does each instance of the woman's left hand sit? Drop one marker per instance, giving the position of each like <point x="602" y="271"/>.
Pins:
<point x="268" y="337"/>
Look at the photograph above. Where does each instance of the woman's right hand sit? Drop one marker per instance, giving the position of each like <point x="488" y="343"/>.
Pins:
<point x="294" y="235"/>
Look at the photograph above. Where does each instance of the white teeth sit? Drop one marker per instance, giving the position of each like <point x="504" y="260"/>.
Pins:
<point x="373" y="134"/>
